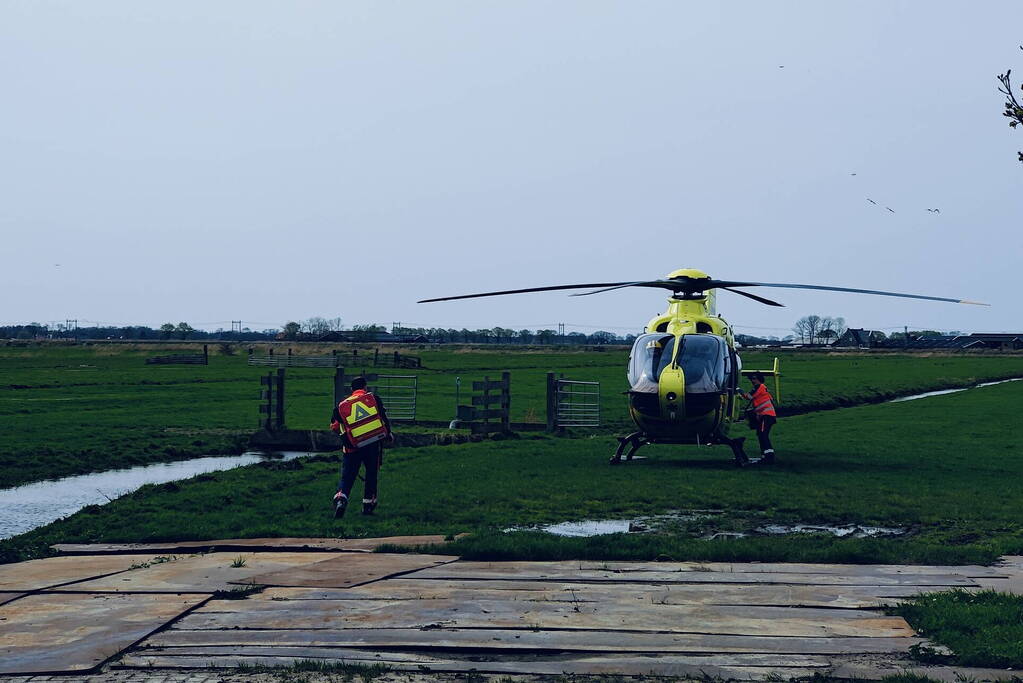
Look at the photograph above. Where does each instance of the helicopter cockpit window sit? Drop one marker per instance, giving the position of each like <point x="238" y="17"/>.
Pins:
<point x="651" y="353"/>
<point x="704" y="361"/>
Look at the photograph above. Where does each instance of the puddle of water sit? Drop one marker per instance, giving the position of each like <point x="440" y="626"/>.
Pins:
<point x="600" y="527"/>
<point x="848" y="531"/>
<point x="953" y="391"/>
<point x="589" y="528"/>
<point x="24" y="508"/>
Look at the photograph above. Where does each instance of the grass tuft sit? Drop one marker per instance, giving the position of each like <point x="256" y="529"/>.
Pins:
<point x="982" y="629"/>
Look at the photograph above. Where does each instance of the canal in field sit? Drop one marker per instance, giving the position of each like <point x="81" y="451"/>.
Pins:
<point x="24" y="508"/>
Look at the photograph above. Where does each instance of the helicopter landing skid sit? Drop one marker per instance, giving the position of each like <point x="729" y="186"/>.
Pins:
<point x="633" y="442"/>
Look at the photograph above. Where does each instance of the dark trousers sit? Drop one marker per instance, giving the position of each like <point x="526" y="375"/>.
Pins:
<point x="764" y="424"/>
<point x="369" y="457"/>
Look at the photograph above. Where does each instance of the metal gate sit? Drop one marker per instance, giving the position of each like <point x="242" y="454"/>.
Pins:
<point x="398" y="392"/>
<point x="577" y="404"/>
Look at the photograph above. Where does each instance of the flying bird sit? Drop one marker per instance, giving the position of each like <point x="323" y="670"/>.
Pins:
<point x="890" y="209"/>
<point x="934" y="210"/>
<point x="871" y="201"/>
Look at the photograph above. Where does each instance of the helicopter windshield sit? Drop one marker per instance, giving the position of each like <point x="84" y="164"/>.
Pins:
<point x="704" y="361"/>
<point x="651" y="353"/>
<point x="703" y="358"/>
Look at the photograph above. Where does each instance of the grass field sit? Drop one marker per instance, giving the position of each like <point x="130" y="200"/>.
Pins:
<point x="70" y="410"/>
<point x="946" y="468"/>
<point x="981" y="629"/>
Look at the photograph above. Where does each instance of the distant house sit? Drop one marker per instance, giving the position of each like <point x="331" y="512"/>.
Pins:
<point x="870" y="339"/>
<point x="924" y="343"/>
<point x="857" y="337"/>
<point x="1003" y="341"/>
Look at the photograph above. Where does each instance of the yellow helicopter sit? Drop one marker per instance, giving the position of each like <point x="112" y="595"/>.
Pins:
<point x="684" y="371"/>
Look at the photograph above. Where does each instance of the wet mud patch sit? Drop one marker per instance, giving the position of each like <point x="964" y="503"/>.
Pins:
<point x="711" y="525"/>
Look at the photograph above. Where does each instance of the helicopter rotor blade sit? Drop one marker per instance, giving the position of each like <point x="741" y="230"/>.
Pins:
<point x="621" y="285"/>
<point x="761" y="299"/>
<point x="688" y="285"/>
<point x="685" y="284"/>
<point x="865" y="291"/>
<point x="525" y="291"/>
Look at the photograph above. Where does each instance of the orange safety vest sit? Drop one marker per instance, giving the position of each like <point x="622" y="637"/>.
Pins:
<point x="360" y="419"/>
<point x="762" y="403"/>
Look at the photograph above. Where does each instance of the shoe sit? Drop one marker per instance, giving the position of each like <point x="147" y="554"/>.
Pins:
<point x="340" y="504"/>
<point x="768" y="458"/>
<point x="368" y="507"/>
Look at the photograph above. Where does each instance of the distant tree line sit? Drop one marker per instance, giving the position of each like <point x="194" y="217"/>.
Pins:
<point x="316" y="329"/>
<point x="167" y="331"/>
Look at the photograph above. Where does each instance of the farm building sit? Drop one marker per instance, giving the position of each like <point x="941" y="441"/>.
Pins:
<point x="1004" y="341"/>
<point x="857" y="337"/>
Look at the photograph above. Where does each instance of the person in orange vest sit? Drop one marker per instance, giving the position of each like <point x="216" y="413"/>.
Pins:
<point x="362" y="423"/>
<point x="763" y="414"/>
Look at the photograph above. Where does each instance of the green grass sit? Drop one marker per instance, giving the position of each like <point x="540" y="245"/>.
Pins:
<point x="947" y="468"/>
<point x="981" y="629"/>
<point x="71" y="410"/>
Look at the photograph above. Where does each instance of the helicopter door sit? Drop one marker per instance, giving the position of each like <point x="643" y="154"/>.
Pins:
<point x="732" y="378"/>
<point x="651" y="353"/>
<point x="704" y="360"/>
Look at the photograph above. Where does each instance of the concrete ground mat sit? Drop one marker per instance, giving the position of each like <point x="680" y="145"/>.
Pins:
<point x="852" y="575"/>
<point x="7" y="597"/>
<point x="430" y="614"/>
<point x="56" y="571"/>
<point x="349" y="569"/>
<point x="251" y="544"/>
<point x="49" y="632"/>
<point x="198" y="573"/>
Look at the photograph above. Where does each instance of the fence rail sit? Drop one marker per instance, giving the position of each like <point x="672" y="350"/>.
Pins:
<point x="336" y="359"/>
<point x="283" y="361"/>
<point x="182" y="358"/>
<point x="399" y="393"/>
<point x="575" y="403"/>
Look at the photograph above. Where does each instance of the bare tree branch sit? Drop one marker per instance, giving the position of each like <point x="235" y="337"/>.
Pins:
<point x="1013" y="109"/>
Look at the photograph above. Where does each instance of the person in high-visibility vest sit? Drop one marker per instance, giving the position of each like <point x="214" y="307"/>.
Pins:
<point x="764" y="415"/>
<point x="362" y="423"/>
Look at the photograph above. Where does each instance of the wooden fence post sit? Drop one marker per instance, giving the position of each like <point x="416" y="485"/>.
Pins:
<point x="279" y="407"/>
<point x="376" y="354"/>
<point x="506" y="401"/>
<point x="205" y="354"/>
<point x="486" y="402"/>
<point x="552" y="402"/>
<point x="339" y="385"/>
<point x="266" y="407"/>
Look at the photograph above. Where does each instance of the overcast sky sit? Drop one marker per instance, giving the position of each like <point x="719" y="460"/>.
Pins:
<point x="256" y="161"/>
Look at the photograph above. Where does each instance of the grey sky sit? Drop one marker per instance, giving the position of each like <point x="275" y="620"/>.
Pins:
<point x="272" y="161"/>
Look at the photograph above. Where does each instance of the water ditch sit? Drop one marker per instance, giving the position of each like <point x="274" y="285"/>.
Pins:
<point x="941" y="392"/>
<point x="27" y="507"/>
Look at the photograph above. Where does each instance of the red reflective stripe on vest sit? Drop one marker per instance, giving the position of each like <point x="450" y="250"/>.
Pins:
<point x="361" y="419"/>
<point x="762" y="403"/>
